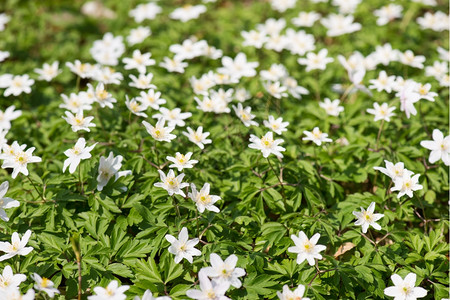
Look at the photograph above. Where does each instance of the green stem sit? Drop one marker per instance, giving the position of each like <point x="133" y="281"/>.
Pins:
<point x="39" y="193"/>
<point x="279" y="180"/>
<point x="379" y="133"/>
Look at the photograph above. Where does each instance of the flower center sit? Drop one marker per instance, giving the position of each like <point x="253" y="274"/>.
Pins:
<point x="45" y="282"/>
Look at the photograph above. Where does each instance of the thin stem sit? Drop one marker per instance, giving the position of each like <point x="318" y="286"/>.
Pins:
<point x="175" y="203"/>
<point x="40" y="194"/>
<point x="379" y="133"/>
<point x="156" y="153"/>
<point x="81" y="181"/>
<point x="279" y="180"/>
<point x="346" y="92"/>
<point x="78" y="83"/>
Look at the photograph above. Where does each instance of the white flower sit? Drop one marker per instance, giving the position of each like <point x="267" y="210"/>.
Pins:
<point x="187" y="12"/>
<point x="316" y="136"/>
<point x="151" y="98"/>
<point x="241" y="95"/>
<point x="147" y="11"/>
<point x="173" y="185"/>
<point x="135" y="107"/>
<point x="245" y="115"/>
<point x="224" y="271"/>
<point x="203" y="199"/>
<point x="160" y="132"/>
<point x="275" y="89"/>
<point x="107" y="75"/>
<point x="408" y="58"/>
<point x="138" y="35"/>
<point x="367" y="218"/>
<point x="198" y="137"/>
<point x="276" y="125"/>
<point x="276" y="72"/>
<point x="111" y="292"/>
<point x="424" y="91"/>
<point x="437" y="70"/>
<point x="383" y="112"/>
<point x="383" y="82"/>
<point x="385" y="54"/>
<point x="239" y="67"/>
<point x="181" y="161"/>
<point x="6" y="202"/>
<point x="78" y="122"/>
<point x="75" y="103"/>
<point x="272" y="26"/>
<point x="103" y="97"/>
<point x="276" y="42"/>
<point x="3" y="55"/>
<point x="267" y="144"/>
<point x="174" y="117"/>
<point x="173" y="65"/>
<point x="315" y="61"/>
<point x="139" y="61"/>
<point x="408" y="97"/>
<point x="340" y="24"/>
<point x="142" y="82"/>
<point x="405" y="289"/>
<point x="293" y="88"/>
<point x="300" y="42"/>
<point x="183" y="247"/>
<point x="19" y="84"/>
<point x="44" y="284"/>
<point x="187" y="50"/>
<point x="282" y="5"/>
<point x="19" y="159"/>
<point x="439" y="146"/>
<point x="208" y="290"/>
<point x="4" y="19"/>
<point x="306" y="248"/>
<point x="109" y="167"/>
<point x="9" y="280"/>
<point x="287" y="294"/>
<point x="48" y="72"/>
<point x="149" y="296"/>
<point x="406" y="184"/>
<point x="83" y="70"/>
<point x="7" y="116"/>
<point x="16" y="247"/>
<point x="332" y="108"/>
<point x="14" y="294"/>
<point x="76" y="154"/>
<point x="254" y="38"/>
<point x="391" y="170"/>
<point x="306" y="19"/>
<point x="388" y="13"/>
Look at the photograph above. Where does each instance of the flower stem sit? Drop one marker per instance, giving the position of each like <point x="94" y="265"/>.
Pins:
<point x="279" y="180"/>
<point x="379" y="134"/>
<point x="40" y="194"/>
<point x="81" y="181"/>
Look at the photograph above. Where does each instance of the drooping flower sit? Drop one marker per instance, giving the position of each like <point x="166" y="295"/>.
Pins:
<point x="109" y="167"/>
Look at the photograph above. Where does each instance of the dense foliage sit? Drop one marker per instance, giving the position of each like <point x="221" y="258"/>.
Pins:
<point x="119" y="233"/>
